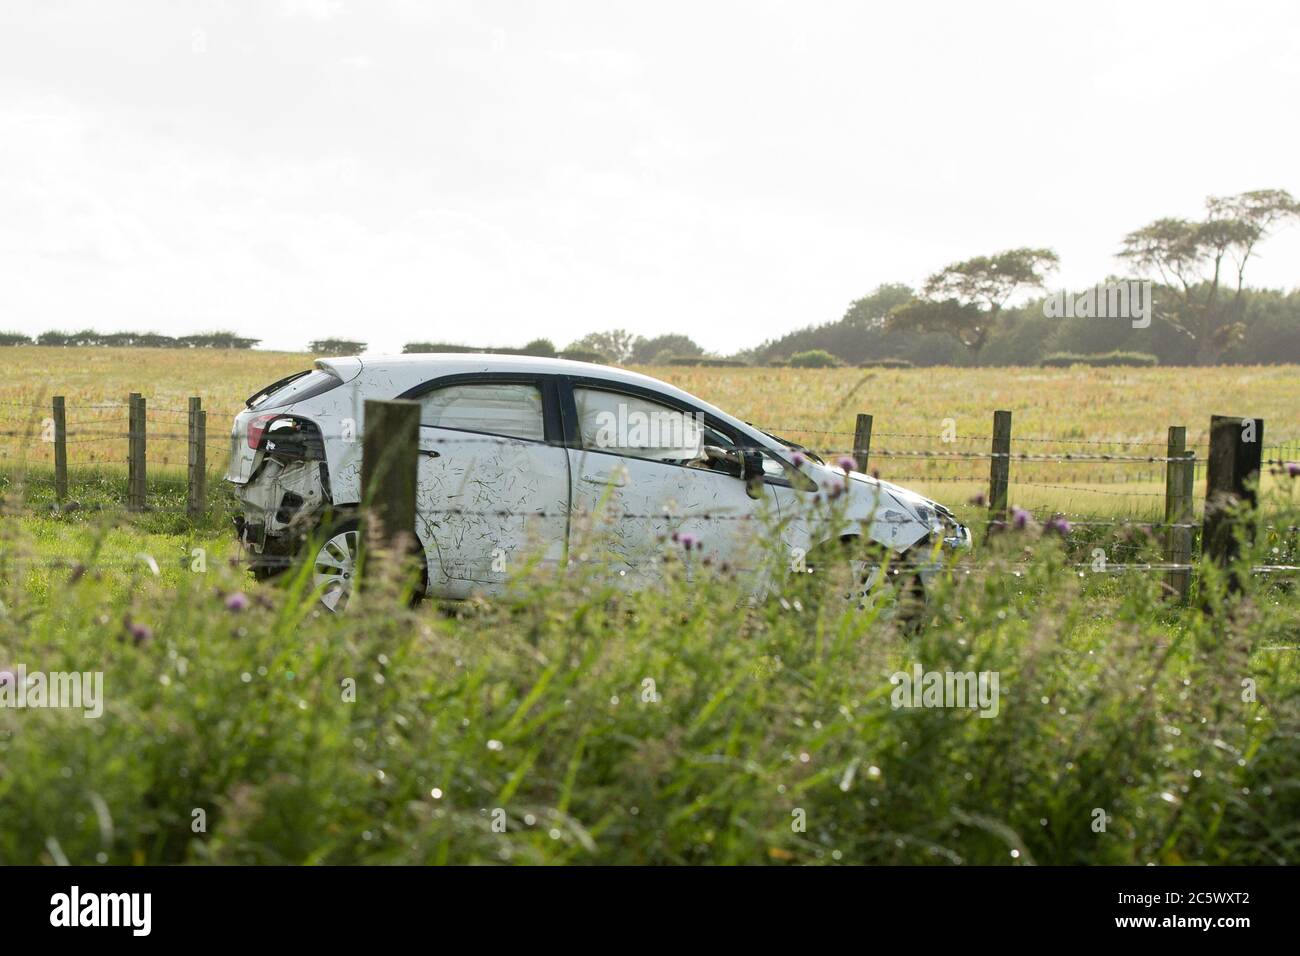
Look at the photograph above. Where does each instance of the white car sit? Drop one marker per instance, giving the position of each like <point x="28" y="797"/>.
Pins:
<point x="555" y="462"/>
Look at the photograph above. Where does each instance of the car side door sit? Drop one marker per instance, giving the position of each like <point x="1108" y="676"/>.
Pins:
<point x="493" y="486"/>
<point x="641" y="483"/>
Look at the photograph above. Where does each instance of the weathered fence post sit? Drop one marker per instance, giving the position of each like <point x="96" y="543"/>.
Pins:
<point x="1179" y="469"/>
<point x="389" y="455"/>
<point x="862" y="441"/>
<point x="135" y="453"/>
<point x="1000" y="466"/>
<point x="197" y="459"/>
<point x="60" y="449"/>
<point x="1232" y="470"/>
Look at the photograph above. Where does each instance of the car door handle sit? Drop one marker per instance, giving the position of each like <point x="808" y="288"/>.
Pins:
<point x="430" y="453"/>
<point x="610" y="478"/>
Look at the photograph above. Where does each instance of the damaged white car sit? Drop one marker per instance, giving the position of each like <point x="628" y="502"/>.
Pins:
<point x="555" y="462"/>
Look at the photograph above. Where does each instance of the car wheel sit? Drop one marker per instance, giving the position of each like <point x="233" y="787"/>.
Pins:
<point x="334" y="565"/>
<point x="863" y="580"/>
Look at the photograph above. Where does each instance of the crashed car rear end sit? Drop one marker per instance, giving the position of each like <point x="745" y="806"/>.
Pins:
<point x="279" y="464"/>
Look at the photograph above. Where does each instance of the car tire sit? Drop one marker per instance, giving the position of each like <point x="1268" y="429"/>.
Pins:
<point x="334" y="560"/>
<point x="902" y="589"/>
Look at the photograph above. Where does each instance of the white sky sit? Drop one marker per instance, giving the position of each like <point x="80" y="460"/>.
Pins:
<point x="486" y="173"/>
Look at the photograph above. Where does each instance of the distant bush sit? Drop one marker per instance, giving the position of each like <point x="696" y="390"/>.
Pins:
<point x="153" y="340"/>
<point x="704" y="361"/>
<point x="887" y="363"/>
<point x="335" y="347"/>
<point x="543" y="348"/>
<point x="814" y="358"/>
<point x="1102" y="360"/>
<point x="14" y="338"/>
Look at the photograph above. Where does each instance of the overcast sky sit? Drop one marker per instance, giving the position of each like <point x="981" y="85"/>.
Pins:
<point x="486" y="173"/>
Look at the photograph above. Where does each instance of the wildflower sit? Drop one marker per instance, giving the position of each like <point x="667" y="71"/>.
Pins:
<point x="687" y="541"/>
<point x="1058" y="524"/>
<point x="1293" y="469"/>
<point x="847" y="463"/>
<point x="237" y="601"/>
<point x="978" y="500"/>
<point x="1021" y="518"/>
<point x="798" y="459"/>
<point x="138" y="632"/>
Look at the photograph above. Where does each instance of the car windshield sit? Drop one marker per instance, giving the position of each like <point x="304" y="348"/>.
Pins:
<point x="792" y="445"/>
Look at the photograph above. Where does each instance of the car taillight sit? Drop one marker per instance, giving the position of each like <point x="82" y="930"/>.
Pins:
<point x="257" y="428"/>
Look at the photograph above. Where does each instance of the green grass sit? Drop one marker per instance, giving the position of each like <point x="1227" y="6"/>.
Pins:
<point x="536" y="710"/>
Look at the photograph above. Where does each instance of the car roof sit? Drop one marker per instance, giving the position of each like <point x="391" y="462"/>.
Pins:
<point x="440" y="363"/>
<point x="493" y="362"/>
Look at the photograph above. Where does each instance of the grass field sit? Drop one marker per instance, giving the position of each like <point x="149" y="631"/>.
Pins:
<point x="1055" y="411"/>
<point x="571" y="722"/>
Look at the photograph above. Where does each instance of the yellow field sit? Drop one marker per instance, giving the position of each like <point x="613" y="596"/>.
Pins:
<point x="1063" y="411"/>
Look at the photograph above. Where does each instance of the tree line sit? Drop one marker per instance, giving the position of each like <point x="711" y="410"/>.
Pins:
<point x="153" y="340"/>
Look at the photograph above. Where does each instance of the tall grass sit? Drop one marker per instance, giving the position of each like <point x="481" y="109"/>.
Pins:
<point x="571" y="722"/>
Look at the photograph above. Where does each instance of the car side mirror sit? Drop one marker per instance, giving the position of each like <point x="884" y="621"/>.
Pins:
<point x="752" y="473"/>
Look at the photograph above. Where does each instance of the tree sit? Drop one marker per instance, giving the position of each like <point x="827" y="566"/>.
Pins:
<point x="654" y="351"/>
<point x="1189" y="258"/>
<point x="965" y="299"/>
<point x="615" y="345"/>
<point x="541" y="347"/>
<point x="335" y="347"/>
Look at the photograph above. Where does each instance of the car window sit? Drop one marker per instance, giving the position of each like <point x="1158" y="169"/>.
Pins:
<point x="294" y="388"/>
<point x="637" y="427"/>
<point x="506" y="408"/>
<point x="771" y="467"/>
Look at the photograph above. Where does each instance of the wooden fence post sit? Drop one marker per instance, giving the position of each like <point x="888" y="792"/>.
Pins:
<point x="1000" y="466"/>
<point x="389" y="464"/>
<point x="1178" y="511"/>
<point x="1233" y="466"/>
<point x="862" y="441"/>
<point x="197" y="458"/>
<point x="135" y="453"/>
<point x="60" y="449"/>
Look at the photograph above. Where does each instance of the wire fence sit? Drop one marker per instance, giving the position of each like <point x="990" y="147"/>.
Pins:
<point x="1093" y="482"/>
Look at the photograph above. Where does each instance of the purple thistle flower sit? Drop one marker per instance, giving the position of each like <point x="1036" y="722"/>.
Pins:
<point x="237" y="601"/>
<point x="847" y="463"/>
<point x="798" y="459"/>
<point x="139" y="632"/>
<point x="979" y="501"/>
<point x="1293" y="469"/>
<point x="1057" y="524"/>
<point x="688" y="541"/>
<point x="1021" y="518"/>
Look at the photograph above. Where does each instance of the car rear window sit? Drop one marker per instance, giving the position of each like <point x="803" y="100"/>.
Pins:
<point x="293" y="388"/>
